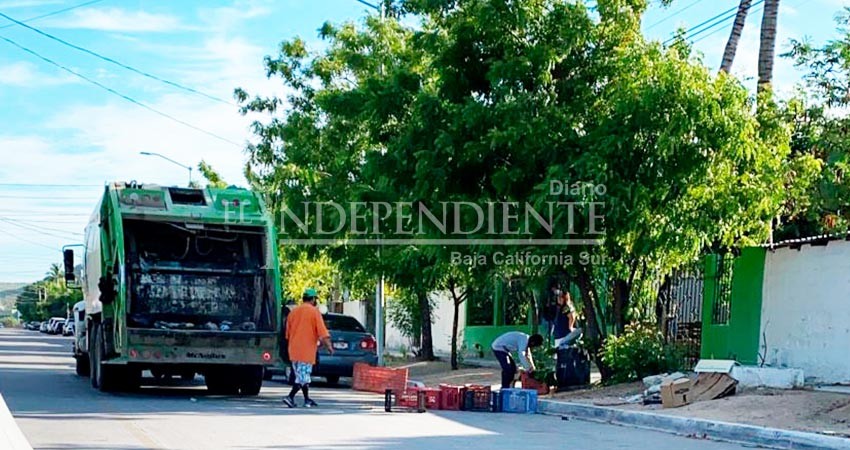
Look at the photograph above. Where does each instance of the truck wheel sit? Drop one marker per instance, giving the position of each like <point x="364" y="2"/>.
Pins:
<point x="188" y="375"/>
<point x="268" y="375"/>
<point x="94" y="356"/>
<point x="221" y="382"/>
<point x="83" y="365"/>
<point x="332" y="379"/>
<point x="251" y="380"/>
<point x="106" y="378"/>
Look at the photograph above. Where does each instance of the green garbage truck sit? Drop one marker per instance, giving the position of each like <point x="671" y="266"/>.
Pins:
<point x="178" y="281"/>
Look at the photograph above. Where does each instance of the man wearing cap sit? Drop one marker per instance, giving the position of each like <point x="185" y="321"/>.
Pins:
<point x="304" y="329"/>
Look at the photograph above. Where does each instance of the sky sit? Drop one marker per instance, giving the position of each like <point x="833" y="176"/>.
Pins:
<point x="62" y="138"/>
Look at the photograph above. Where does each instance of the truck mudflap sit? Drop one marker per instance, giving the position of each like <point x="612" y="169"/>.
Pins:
<point x="199" y="347"/>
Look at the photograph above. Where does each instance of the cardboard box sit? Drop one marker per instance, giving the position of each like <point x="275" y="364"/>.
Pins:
<point x="675" y="393"/>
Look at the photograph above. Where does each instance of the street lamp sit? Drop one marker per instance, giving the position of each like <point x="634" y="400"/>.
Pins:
<point x="171" y="161"/>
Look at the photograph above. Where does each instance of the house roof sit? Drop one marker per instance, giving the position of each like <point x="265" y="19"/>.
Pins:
<point x="817" y="240"/>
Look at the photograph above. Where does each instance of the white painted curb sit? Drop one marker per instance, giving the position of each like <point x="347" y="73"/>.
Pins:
<point x="11" y="436"/>
<point x="719" y="431"/>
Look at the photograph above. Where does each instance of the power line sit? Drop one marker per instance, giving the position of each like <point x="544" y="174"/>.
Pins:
<point x="55" y="249"/>
<point x="64" y="10"/>
<point x="118" y="63"/>
<point x="659" y="22"/>
<point x="114" y="92"/>
<point x="23" y="224"/>
<point x="709" y="23"/>
<point x="37" y="230"/>
<point x="752" y="11"/>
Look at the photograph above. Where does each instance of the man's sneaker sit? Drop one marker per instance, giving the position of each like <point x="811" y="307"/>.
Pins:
<point x="310" y="404"/>
<point x="289" y="402"/>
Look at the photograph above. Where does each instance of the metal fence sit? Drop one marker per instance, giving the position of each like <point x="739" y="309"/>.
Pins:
<point x="679" y="310"/>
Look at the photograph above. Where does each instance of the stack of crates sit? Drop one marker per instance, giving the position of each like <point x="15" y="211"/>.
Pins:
<point x="477" y="398"/>
<point x="451" y="397"/>
<point x="519" y="401"/>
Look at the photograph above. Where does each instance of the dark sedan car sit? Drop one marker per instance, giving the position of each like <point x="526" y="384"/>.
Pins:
<point x="351" y="343"/>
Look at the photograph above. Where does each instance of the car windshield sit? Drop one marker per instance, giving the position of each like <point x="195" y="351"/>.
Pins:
<point x="343" y="323"/>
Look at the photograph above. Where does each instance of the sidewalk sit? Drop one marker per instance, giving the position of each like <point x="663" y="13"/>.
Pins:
<point x="11" y="437"/>
<point x="677" y="421"/>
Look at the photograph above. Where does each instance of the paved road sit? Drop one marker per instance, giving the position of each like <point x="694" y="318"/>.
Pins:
<point x="58" y="410"/>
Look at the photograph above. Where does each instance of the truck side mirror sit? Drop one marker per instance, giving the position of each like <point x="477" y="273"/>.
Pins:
<point x="68" y="257"/>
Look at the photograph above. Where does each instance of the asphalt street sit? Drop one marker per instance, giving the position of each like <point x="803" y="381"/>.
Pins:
<point x="55" y="409"/>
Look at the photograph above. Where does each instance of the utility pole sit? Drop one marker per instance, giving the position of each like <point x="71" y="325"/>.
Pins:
<point x="379" y="292"/>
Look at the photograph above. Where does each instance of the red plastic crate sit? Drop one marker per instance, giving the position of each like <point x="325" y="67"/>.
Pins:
<point x="451" y="397"/>
<point x="378" y="379"/>
<point x="476" y="398"/>
<point x="432" y="397"/>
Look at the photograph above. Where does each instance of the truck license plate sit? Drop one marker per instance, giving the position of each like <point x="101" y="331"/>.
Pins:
<point x="340" y="345"/>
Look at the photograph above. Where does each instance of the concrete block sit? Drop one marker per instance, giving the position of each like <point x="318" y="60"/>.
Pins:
<point x="770" y="377"/>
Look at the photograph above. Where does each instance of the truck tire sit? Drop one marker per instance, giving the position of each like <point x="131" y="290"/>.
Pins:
<point x="221" y="382"/>
<point x="94" y="356"/>
<point x="106" y="377"/>
<point x="83" y="365"/>
<point x="250" y="380"/>
<point x="332" y="379"/>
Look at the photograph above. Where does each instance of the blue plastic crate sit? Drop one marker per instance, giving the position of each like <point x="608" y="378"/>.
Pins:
<point x="519" y="401"/>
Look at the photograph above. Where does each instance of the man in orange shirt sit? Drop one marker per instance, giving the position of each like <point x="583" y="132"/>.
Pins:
<point x="304" y="329"/>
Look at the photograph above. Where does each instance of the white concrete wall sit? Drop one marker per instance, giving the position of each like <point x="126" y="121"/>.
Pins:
<point x="441" y="328"/>
<point x="805" y="319"/>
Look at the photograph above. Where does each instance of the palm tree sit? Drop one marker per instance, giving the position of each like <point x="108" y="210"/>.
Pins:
<point x="767" y="46"/>
<point x="735" y="36"/>
<point x="54" y="273"/>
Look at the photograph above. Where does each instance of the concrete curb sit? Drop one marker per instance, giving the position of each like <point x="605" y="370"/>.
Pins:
<point x="11" y="436"/>
<point x="720" y="431"/>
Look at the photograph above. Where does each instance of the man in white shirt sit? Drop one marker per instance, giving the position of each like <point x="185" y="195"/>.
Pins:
<point x="515" y="342"/>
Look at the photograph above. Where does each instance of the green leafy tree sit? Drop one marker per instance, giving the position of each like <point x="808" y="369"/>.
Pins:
<point x="489" y="102"/>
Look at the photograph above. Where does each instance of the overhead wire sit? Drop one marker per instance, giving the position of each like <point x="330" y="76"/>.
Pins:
<point x="40" y="231"/>
<point x="708" y="24"/>
<point x="116" y="93"/>
<point x="117" y="63"/>
<point x="39" y="228"/>
<point x="53" y="13"/>
<point x="672" y="15"/>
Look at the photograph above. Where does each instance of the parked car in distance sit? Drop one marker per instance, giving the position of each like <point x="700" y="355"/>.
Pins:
<point x="53" y="323"/>
<point x="352" y="344"/>
<point x="68" y="329"/>
<point x="34" y="325"/>
<point x="43" y="327"/>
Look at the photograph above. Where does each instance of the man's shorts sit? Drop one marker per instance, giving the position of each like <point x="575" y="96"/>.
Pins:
<point x="303" y="371"/>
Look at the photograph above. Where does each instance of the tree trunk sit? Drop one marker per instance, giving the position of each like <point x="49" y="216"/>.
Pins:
<point x="767" y="45"/>
<point x="426" y="351"/>
<point x="735" y="36"/>
<point x="455" y="320"/>
<point x="622" y="290"/>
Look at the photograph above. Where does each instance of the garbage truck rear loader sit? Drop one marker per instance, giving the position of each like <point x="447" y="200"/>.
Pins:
<point x="180" y="281"/>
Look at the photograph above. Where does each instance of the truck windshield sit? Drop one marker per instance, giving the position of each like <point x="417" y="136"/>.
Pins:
<point x="192" y="276"/>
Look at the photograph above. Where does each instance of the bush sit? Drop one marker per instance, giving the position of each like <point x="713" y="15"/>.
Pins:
<point x="639" y="352"/>
<point x="10" y="322"/>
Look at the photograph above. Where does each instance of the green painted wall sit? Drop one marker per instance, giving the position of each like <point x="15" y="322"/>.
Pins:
<point x="484" y="336"/>
<point x="738" y="339"/>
